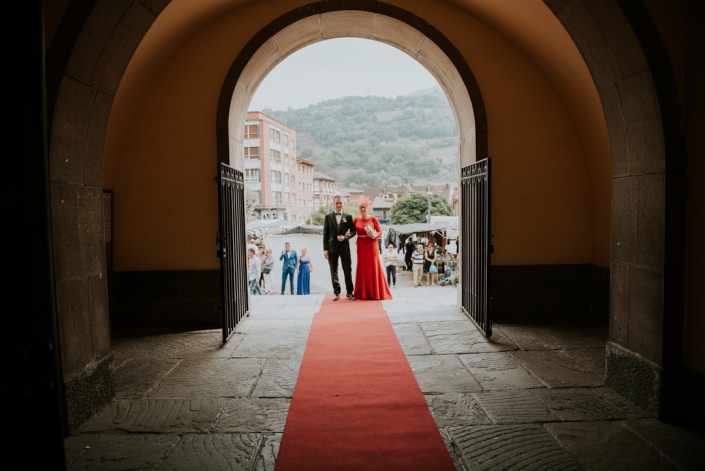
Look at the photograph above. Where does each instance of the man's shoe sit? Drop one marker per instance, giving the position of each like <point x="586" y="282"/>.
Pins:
<point x="336" y="297"/>
<point x="351" y="297"/>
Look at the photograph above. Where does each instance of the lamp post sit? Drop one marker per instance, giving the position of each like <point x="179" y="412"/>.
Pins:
<point x="429" y="194"/>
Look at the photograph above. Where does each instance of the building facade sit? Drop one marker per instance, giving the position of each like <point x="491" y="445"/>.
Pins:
<point x="304" y="190"/>
<point x="324" y="188"/>
<point x="271" y="167"/>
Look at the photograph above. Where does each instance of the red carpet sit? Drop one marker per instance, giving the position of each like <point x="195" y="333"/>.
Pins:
<point x="356" y="405"/>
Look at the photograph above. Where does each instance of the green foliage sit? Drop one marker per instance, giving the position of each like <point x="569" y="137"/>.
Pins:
<point x="368" y="141"/>
<point x="250" y="204"/>
<point x="455" y="278"/>
<point x="414" y="207"/>
<point x="317" y="217"/>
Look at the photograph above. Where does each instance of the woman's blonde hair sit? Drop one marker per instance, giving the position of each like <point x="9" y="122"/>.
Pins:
<point x="365" y="201"/>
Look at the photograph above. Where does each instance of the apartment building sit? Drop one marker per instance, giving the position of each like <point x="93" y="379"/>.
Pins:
<point x="324" y="188"/>
<point x="304" y="190"/>
<point x="271" y="167"/>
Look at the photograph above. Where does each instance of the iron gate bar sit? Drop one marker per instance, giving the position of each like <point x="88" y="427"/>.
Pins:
<point x="475" y="252"/>
<point x="231" y="249"/>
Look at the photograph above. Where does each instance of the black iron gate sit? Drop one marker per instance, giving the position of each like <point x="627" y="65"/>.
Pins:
<point x="476" y="244"/>
<point x="231" y="249"/>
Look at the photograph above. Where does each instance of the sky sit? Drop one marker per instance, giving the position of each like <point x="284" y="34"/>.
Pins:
<point x="340" y="67"/>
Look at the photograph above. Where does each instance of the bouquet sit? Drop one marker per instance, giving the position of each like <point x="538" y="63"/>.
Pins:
<point x="370" y="231"/>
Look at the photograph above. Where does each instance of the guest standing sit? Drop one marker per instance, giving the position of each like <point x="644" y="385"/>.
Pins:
<point x="417" y="261"/>
<point x="370" y="282"/>
<point x="391" y="260"/>
<point x="409" y="248"/>
<point x="430" y="257"/>
<point x="267" y="267"/>
<point x="303" y="281"/>
<point x="290" y="261"/>
<point x="253" y="271"/>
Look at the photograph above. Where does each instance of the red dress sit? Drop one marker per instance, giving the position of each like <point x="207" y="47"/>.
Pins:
<point x="370" y="279"/>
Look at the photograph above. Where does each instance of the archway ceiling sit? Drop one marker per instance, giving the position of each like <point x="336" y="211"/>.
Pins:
<point x="527" y="24"/>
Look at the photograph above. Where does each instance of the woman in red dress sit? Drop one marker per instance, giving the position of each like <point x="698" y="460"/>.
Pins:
<point x="370" y="279"/>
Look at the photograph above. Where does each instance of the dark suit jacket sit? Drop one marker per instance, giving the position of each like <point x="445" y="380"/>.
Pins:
<point x="331" y="231"/>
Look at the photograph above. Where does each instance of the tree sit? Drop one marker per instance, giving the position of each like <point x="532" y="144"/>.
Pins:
<point x="250" y="204"/>
<point x="413" y="208"/>
<point x="318" y="216"/>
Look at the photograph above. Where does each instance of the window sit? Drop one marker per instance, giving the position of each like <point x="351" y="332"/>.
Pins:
<point x="251" y="131"/>
<point x="276" y="136"/>
<point x="276" y="176"/>
<point x="275" y="157"/>
<point x="251" y="153"/>
<point x="252" y="175"/>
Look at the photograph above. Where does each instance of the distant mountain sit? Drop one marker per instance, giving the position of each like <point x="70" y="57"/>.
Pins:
<point x="370" y="141"/>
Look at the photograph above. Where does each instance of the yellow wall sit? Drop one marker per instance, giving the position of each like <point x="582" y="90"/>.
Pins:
<point x="551" y="181"/>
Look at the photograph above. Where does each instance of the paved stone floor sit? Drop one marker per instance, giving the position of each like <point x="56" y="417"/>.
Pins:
<point x="530" y="397"/>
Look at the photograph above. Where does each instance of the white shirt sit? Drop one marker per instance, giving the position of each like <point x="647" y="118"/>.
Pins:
<point x="255" y="268"/>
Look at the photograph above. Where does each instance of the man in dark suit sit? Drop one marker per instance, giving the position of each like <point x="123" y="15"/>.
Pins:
<point x="338" y="229"/>
<point x="289" y="262"/>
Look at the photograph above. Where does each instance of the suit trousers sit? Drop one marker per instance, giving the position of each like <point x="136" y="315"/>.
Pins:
<point x="342" y="254"/>
<point x="290" y="274"/>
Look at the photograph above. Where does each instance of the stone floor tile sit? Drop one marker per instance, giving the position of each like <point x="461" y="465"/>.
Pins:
<point x="278" y="378"/>
<point x="211" y="378"/>
<point x="201" y="344"/>
<point x="514" y="407"/>
<point x="157" y="416"/>
<point x="412" y="339"/>
<point x="138" y="377"/>
<point x="456" y="409"/>
<point x="628" y="408"/>
<point x="510" y="447"/>
<point x="253" y="415"/>
<point x="608" y="446"/>
<point x="226" y="451"/>
<point x="684" y="447"/>
<point x="555" y="337"/>
<point x="592" y="359"/>
<point x="273" y="342"/>
<point x="498" y="371"/>
<point x="576" y="404"/>
<point x="442" y="374"/>
<point x="114" y="451"/>
<point x="466" y="339"/>
<point x="557" y="368"/>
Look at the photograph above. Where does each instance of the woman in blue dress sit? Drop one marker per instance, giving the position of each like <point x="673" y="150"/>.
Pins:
<point x="303" y="282"/>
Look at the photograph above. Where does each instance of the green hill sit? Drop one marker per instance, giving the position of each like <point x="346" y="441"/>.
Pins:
<point x="370" y="141"/>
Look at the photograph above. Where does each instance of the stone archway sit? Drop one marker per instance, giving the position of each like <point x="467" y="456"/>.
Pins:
<point x="323" y="21"/>
<point x="626" y="93"/>
<point x="81" y="108"/>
